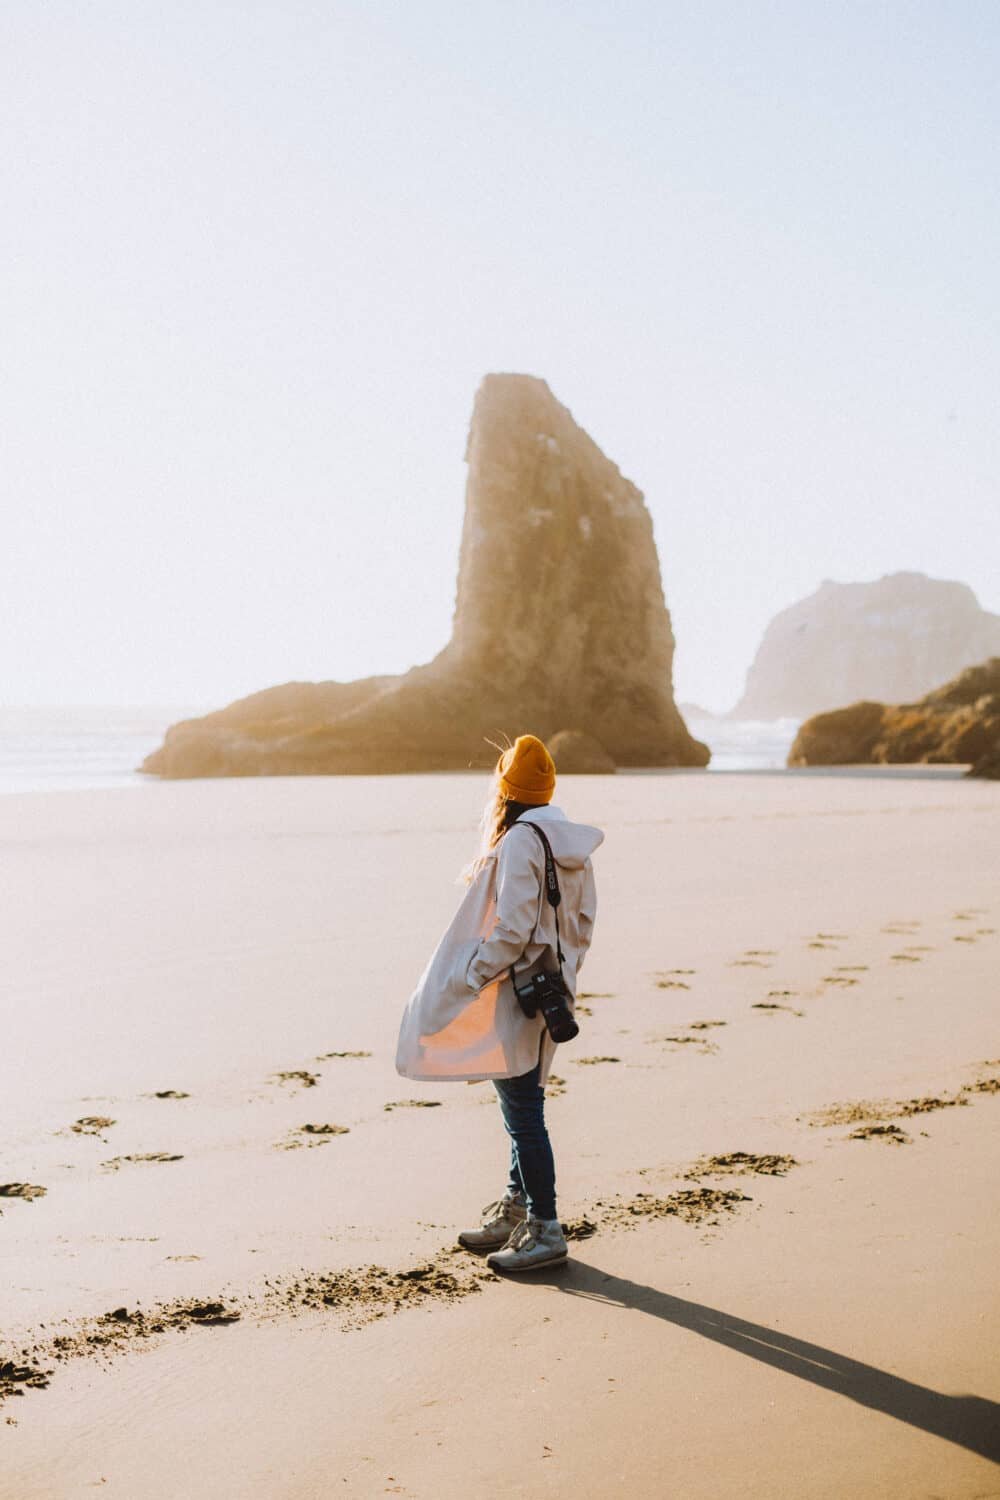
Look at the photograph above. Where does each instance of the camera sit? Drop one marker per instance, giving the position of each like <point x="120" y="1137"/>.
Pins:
<point x="548" y="993"/>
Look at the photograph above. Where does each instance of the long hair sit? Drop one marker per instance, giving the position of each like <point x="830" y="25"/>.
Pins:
<point x="500" y="813"/>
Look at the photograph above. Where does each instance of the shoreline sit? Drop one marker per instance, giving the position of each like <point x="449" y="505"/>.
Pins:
<point x="896" y="772"/>
<point x="74" y="748"/>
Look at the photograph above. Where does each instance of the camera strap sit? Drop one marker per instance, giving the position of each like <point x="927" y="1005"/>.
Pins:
<point x="553" y="894"/>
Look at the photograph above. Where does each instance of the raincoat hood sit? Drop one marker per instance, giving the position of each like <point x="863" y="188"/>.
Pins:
<point x="572" y="843"/>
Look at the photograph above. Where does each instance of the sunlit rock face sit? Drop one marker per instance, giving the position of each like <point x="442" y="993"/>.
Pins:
<point x="579" y="754"/>
<point x="890" y="641"/>
<point x="559" y="620"/>
<point x="244" y="739"/>
<point x="956" y="723"/>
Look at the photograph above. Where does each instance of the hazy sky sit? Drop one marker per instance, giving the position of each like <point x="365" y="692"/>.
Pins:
<point x="257" y="256"/>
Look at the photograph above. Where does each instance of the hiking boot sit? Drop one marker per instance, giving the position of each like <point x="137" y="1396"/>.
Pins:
<point x="500" y="1219"/>
<point x="533" y="1244"/>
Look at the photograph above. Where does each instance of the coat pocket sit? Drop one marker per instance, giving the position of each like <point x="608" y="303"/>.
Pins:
<point x="448" y="991"/>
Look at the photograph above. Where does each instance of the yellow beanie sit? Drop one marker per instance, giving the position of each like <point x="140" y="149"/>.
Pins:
<point x="527" y="772"/>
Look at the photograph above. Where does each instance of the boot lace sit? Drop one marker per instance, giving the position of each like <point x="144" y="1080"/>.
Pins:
<point x="495" y="1212"/>
<point x="523" y="1236"/>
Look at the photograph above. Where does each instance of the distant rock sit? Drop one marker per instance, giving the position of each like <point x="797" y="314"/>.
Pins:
<point x="886" y="641"/>
<point x="842" y="737"/>
<point x="240" y="740"/>
<point x="579" y="754"/>
<point x="957" y="723"/>
<point x="989" y="767"/>
<point x="559" y="619"/>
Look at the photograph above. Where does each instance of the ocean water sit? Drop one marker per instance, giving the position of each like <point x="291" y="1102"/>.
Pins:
<point x="745" y="744"/>
<point x="48" y="749"/>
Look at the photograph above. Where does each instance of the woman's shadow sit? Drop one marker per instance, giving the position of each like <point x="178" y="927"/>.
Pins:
<point x="970" y="1421"/>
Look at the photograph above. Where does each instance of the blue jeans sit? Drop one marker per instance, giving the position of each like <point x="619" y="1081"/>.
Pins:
<point x="532" y="1167"/>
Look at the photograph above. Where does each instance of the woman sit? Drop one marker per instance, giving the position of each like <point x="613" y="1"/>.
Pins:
<point x="464" y="1021"/>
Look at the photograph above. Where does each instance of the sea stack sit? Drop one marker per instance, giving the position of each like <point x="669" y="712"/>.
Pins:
<point x="891" y="641"/>
<point x="957" y="723"/>
<point x="560" y="623"/>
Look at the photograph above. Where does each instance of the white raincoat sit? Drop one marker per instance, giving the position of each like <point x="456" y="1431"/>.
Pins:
<point x="463" y="1020"/>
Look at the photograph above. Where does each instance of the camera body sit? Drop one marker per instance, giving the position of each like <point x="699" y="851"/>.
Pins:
<point x="548" y="994"/>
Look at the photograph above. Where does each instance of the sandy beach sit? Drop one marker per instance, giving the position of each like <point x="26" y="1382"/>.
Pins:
<point x="228" y="1225"/>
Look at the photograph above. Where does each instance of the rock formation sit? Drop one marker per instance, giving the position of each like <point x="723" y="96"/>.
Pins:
<point x="959" y="723"/>
<point x="579" y="754"/>
<point x="889" y="641"/>
<point x="241" y="739"/>
<point x="559" y="621"/>
<point x="988" y="769"/>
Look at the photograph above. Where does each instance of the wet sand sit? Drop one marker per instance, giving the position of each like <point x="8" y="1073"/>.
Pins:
<point x="236" y="1223"/>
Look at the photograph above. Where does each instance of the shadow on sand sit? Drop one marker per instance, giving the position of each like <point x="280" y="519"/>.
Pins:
<point x="970" y="1421"/>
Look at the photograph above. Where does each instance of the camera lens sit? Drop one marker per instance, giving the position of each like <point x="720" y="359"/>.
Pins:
<point x="560" y="1022"/>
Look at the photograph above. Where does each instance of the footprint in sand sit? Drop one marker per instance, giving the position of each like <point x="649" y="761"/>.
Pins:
<point x="206" y="1314"/>
<point x="815" y="943"/>
<point x="316" y="1135"/>
<point x="582" y="1010"/>
<point x="589" y="1062"/>
<point x="705" y="1025"/>
<point x="905" y="958"/>
<point x="739" y="1164"/>
<point x="843" y="980"/>
<point x="413" y="1104"/>
<point x="555" y="1086"/>
<point x="901" y="929"/>
<point x="300" y="1076"/>
<point x="29" y="1191"/>
<point x="692" y="1205"/>
<point x="872" y="1110"/>
<point x="120" y="1324"/>
<point x="963" y="937"/>
<point x="329" y="1056"/>
<point x="700" y="1042"/>
<point x="599" y="994"/>
<point x="91" y="1124"/>
<point x="168" y="1094"/>
<point x="891" y="1134"/>
<point x="672" y="984"/>
<point x="141" y="1156"/>
<point x="851" y="969"/>
<point x="985" y="931"/>
<point x="769" y="1007"/>
<point x="748" y="963"/>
